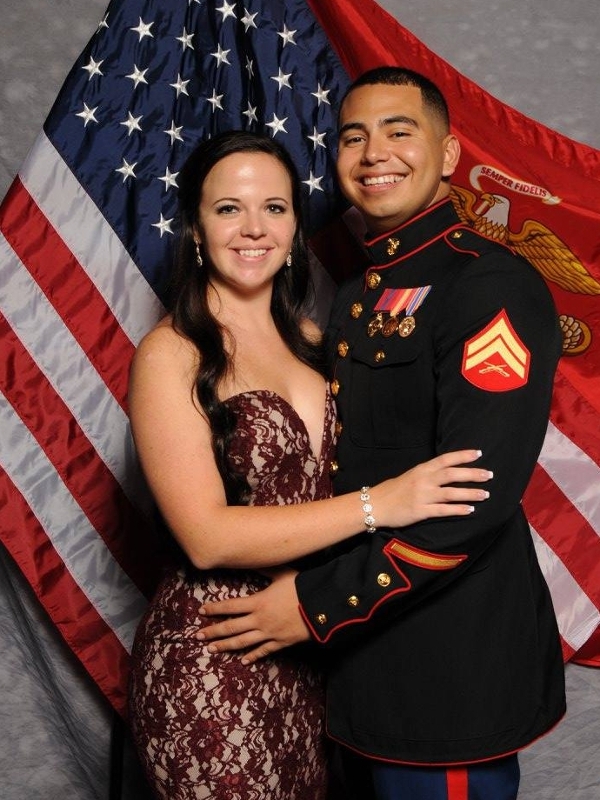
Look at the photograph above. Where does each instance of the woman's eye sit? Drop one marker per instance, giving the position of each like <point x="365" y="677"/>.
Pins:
<point x="228" y="209"/>
<point x="275" y="208"/>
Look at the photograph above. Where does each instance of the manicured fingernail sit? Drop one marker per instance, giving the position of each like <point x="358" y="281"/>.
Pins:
<point x="486" y="495"/>
<point x="471" y="509"/>
<point x="200" y="636"/>
<point x="490" y="475"/>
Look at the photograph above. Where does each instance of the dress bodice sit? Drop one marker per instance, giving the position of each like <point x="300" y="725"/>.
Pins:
<point x="272" y="448"/>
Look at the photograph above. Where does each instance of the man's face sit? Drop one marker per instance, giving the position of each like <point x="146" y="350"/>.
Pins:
<point x="393" y="154"/>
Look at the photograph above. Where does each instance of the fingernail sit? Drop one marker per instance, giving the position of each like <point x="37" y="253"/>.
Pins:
<point x="200" y="636"/>
<point x="479" y="453"/>
<point x="490" y="475"/>
<point x="211" y="648"/>
<point x="485" y="495"/>
<point x="244" y="661"/>
<point x="471" y="509"/>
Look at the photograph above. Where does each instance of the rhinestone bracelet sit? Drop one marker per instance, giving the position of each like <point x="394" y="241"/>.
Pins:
<point x="365" y="499"/>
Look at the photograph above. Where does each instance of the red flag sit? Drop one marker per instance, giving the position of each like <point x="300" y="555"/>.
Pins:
<point x="538" y="192"/>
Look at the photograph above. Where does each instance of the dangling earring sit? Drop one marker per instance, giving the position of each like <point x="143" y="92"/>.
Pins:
<point x="198" y="256"/>
<point x="288" y="260"/>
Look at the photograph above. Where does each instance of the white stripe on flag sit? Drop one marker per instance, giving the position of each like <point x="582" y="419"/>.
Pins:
<point x="89" y="561"/>
<point x="574" y="472"/>
<point x="577" y="616"/>
<point x="90" y="238"/>
<point x="68" y="369"/>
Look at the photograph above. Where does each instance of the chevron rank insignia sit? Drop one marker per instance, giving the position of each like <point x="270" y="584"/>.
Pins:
<point x="496" y="360"/>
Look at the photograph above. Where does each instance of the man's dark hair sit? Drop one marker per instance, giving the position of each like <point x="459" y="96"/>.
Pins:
<point x="433" y="99"/>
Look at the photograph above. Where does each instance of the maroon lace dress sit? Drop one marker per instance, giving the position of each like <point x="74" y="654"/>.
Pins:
<point x="206" y="726"/>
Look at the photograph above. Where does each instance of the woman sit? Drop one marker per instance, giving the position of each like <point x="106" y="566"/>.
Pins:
<point x="234" y="425"/>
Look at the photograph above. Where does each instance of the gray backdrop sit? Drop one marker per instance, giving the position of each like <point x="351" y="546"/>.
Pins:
<point x="540" y="56"/>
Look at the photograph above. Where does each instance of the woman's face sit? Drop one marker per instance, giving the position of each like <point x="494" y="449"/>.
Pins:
<point x="246" y="221"/>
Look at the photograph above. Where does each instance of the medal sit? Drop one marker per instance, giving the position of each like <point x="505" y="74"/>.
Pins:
<point x="406" y="326"/>
<point x="390" y="326"/>
<point x="375" y="324"/>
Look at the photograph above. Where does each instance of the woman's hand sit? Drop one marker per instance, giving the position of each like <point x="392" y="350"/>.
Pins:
<point x="425" y="490"/>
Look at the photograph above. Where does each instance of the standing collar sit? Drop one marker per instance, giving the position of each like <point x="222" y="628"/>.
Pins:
<point x="390" y="247"/>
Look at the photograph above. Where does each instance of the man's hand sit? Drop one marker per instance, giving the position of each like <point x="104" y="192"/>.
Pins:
<point x="266" y="621"/>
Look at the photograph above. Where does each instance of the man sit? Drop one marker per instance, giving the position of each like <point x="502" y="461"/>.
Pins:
<point x="444" y="657"/>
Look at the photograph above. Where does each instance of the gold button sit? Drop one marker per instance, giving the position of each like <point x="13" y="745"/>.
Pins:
<point x="333" y="467"/>
<point x="338" y="428"/>
<point x="356" y="310"/>
<point x="383" y="579"/>
<point x="457" y="235"/>
<point x="373" y="280"/>
<point x="342" y="349"/>
<point x="353" y="601"/>
<point x="379" y="356"/>
<point x="321" y="619"/>
<point x="335" y="387"/>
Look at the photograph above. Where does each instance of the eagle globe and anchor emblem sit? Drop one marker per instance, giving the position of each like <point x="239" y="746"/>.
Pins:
<point x="488" y="213"/>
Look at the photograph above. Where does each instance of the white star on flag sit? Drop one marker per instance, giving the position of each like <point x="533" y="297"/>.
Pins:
<point x="143" y="29"/>
<point x="321" y="95"/>
<point x="127" y="170"/>
<point x="186" y="39"/>
<point x="87" y="115"/>
<point x="174" y="132"/>
<point x="287" y="36"/>
<point x="221" y="55"/>
<point x="93" y="67"/>
<point x="132" y="123"/>
<point x="180" y="85"/>
<point x="277" y="125"/>
<point x="163" y="225"/>
<point x="169" y="179"/>
<point x="282" y="79"/>
<point x="314" y="183"/>
<point x="138" y="76"/>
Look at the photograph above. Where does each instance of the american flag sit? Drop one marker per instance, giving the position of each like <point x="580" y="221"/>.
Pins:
<point x="87" y="231"/>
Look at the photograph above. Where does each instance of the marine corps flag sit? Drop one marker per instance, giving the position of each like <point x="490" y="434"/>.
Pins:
<point x="87" y="230"/>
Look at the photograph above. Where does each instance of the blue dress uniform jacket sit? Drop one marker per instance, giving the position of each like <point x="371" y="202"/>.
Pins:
<point x="442" y="639"/>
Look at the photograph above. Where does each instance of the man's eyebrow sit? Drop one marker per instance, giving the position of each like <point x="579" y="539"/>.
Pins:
<point x="382" y="123"/>
<point x="400" y="118"/>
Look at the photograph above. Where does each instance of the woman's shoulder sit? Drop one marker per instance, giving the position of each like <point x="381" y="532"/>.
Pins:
<point x="164" y="345"/>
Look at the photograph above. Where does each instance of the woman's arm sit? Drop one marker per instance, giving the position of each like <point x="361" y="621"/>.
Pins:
<point x="173" y="441"/>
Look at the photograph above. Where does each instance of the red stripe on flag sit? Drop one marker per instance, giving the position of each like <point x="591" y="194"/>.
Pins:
<point x="565" y="530"/>
<point x="68" y="287"/>
<point x="123" y="529"/>
<point x="86" y="633"/>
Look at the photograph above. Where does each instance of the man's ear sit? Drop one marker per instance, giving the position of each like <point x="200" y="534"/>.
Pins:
<point x="451" y="155"/>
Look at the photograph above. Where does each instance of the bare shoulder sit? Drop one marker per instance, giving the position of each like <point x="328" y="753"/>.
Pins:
<point x="165" y="346"/>
<point x="163" y="361"/>
<point x="311" y="330"/>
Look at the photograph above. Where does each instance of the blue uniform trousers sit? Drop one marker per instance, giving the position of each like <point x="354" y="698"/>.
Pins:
<point x="374" y="780"/>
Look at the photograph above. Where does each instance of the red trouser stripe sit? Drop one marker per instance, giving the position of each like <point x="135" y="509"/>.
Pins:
<point x="457" y="780"/>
